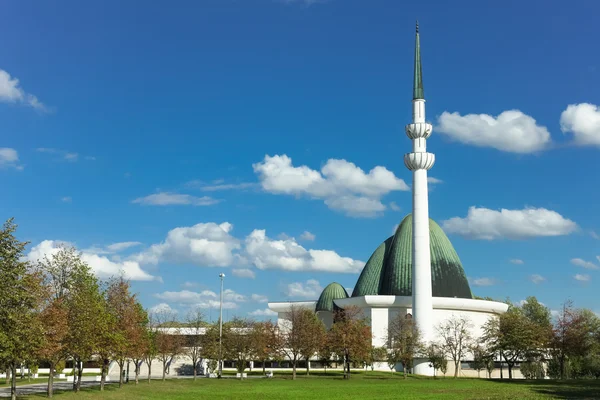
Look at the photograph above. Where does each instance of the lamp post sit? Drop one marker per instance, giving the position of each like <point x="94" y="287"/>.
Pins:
<point x="221" y="275"/>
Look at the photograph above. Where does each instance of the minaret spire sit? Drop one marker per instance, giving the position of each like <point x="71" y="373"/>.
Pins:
<point x="418" y="92"/>
<point x="419" y="162"/>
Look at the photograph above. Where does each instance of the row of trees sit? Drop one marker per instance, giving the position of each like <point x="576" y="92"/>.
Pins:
<point x="55" y="310"/>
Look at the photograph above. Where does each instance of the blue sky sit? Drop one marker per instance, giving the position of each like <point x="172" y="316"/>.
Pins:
<point x="264" y="139"/>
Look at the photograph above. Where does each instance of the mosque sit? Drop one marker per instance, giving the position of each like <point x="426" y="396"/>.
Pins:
<point x="417" y="270"/>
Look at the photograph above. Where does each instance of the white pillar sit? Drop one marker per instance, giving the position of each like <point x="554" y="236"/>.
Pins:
<point x="419" y="162"/>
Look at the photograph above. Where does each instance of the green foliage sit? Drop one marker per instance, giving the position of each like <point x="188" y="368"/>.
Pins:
<point x="437" y="358"/>
<point x="60" y="367"/>
<point x="533" y="369"/>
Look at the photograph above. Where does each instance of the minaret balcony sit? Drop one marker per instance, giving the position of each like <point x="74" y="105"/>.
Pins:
<point x="415" y="161"/>
<point x="418" y="130"/>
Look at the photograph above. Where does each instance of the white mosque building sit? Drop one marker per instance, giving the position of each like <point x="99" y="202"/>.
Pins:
<point x="416" y="271"/>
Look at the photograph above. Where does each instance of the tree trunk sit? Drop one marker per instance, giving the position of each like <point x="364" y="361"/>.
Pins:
<point x="105" y="363"/>
<point x="13" y="381"/>
<point x="79" y="376"/>
<point x="50" y="389"/>
<point x="294" y="370"/>
<point x="75" y="362"/>
<point x="456" y="364"/>
<point x="164" y="370"/>
<point x="263" y="363"/>
<point x="307" y="367"/>
<point x="510" y="370"/>
<point x="195" y="362"/>
<point x="121" y="370"/>
<point x="137" y="371"/>
<point x="149" y="370"/>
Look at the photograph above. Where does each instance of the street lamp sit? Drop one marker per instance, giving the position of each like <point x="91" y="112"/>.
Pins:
<point x="221" y="275"/>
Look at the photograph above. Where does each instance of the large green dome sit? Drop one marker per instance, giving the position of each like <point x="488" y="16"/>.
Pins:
<point x="332" y="292"/>
<point x="389" y="270"/>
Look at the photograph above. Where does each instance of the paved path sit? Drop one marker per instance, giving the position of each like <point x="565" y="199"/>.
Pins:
<point x="23" y="390"/>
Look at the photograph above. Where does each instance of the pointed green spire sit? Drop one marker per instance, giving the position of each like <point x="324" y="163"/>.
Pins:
<point x="418" y="92"/>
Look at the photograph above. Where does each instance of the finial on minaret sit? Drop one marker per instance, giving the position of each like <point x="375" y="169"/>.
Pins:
<point x="418" y="92"/>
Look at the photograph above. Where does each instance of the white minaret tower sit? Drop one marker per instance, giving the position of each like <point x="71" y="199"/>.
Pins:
<point x="419" y="162"/>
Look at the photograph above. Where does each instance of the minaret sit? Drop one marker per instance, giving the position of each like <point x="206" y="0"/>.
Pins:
<point x="419" y="162"/>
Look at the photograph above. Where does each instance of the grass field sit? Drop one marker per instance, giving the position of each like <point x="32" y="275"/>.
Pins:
<point x="332" y="386"/>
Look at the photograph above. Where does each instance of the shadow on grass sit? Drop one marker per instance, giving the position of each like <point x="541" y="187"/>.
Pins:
<point x="568" y="389"/>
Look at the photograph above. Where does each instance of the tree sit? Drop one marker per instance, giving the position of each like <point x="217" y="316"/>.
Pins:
<point x="393" y="358"/>
<point x="437" y="358"/>
<point x="196" y="327"/>
<point x="455" y="337"/>
<point x="479" y="358"/>
<point x="139" y="343"/>
<point x="149" y="350"/>
<point x="20" y="302"/>
<point x="296" y="334"/>
<point x="350" y="336"/>
<point x="404" y="340"/>
<point x="325" y="353"/>
<point x="129" y="321"/>
<point x="514" y="336"/>
<point x="55" y="328"/>
<point x="168" y="344"/>
<point x="239" y="342"/>
<point x="60" y="272"/>
<point x="266" y="341"/>
<point x="88" y="321"/>
<point x="573" y="337"/>
<point x="313" y="335"/>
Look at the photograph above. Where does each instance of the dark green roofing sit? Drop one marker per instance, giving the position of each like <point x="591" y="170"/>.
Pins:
<point x="418" y="91"/>
<point x="332" y="292"/>
<point x="389" y="270"/>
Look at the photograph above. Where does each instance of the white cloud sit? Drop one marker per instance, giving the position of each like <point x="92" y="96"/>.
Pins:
<point x="517" y="261"/>
<point x="432" y="180"/>
<point x="259" y="298"/>
<point x="162" y="308"/>
<point x="166" y="198"/>
<point x="243" y="273"/>
<point x="100" y="265"/>
<point x="11" y="92"/>
<point x="9" y="158"/>
<point x="63" y="154"/>
<point x="594" y="235"/>
<point x="583" y="121"/>
<point x="306" y="235"/>
<point x="483" y="281"/>
<point x="229" y="186"/>
<point x="341" y="184"/>
<point x="67" y="199"/>
<point x="266" y="253"/>
<point x="121" y="246"/>
<point x="207" y="297"/>
<point x="535" y="278"/>
<point x="394" y="206"/>
<point x="263" y="313"/>
<point x="310" y="290"/>
<point x="584" y="264"/>
<point x="582" y="277"/>
<point x="483" y="223"/>
<point x="511" y="131"/>
<point x="205" y="244"/>
<point x="189" y="285"/>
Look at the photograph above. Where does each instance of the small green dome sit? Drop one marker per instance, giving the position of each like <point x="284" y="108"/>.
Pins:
<point x="389" y="270"/>
<point x="332" y="292"/>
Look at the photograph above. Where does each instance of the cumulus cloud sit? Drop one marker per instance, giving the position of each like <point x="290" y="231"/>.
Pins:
<point x="394" y="206"/>
<point x="517" y="261"/>
<point x="583" y="121"/>
<point x="67" y="199"/>
<point x="259" y="298"/>
<point x="535" y="278"/>
<point x="64" y="155"/>
<point x="162" y="308"/>
<point x="584" y="264"/>
<point x="267" y="253"/>
<point x="100" y="265"/>
<point x="167" y="199"/>
<point x="263" y="313"/>
<point x="9" y="158"/>
<point x="311" y="289"/>
<point x="309" y="237"/>
<point x="11" y="92"/>
<point x="341" y="184"/>
<point x="511" y="131"/>
<point x="243" y="273"/>
<point x="432" y="180"/>
<point x="483" y="281"/>
<point x="206" y="244"/>
<point x="594" y="235"/>
<point x="582" y="277"/>
<point x="483" y="223"/>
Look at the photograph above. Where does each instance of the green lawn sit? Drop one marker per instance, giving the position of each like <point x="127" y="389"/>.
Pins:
<point x="360" y="386"/>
